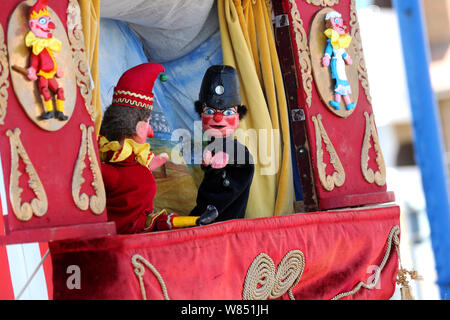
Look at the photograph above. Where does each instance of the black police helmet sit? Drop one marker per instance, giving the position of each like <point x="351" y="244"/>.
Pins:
<point x="220" y="88"/>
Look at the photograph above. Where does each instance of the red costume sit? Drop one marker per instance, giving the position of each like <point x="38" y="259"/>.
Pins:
<point x="43" y="65"/>
<point x="127" y="164"/>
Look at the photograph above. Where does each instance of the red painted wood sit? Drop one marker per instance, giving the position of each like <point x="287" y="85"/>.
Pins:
<point x="53" y="155"/>
<point x="79" y="231"/>
<point x="345" y="134"/>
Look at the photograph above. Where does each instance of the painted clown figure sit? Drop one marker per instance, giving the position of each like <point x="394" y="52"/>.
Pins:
<point x="127" y="162"/>
<point x="43" y="66"/>
<point x="337" y="57"/>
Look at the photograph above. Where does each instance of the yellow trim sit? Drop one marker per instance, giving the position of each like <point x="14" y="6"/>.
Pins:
<point x="133" y="103"/>
<point x="48" y="105"/>
<point x="41" y="13"/>
<point x="183" y="222"/>
<point x="60" y="105"/>
<point x="136" y="95"/>
<point x="121" y="152"/>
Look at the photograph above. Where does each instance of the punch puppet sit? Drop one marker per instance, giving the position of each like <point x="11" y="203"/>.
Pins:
<point x="228" y="165"/>
<point x="336" y="57"/>
<point x="127" y="162"/>
<point x="43" y="67"/>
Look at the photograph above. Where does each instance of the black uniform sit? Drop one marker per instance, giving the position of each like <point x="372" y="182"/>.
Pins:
<point x="227" y="188"/>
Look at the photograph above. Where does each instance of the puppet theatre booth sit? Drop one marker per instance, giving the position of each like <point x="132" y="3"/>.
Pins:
<point x="319" y="222"/>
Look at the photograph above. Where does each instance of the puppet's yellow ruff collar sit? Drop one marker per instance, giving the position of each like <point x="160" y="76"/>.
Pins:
<point x="338" y="41"/>
<point x="39" y="44"/>
<point x="142" y="151"/>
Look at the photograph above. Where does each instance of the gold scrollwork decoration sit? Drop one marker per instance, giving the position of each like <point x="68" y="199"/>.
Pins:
<point x="263" y="281"/>
<point x="4" y="74"/>
<point x="379" y="177"/>
<point x="358" y="50"/>
<point x="337" y="179"/>
<point x="96" y="202"/>
<point x="323" y="3"/>
<point x="76" y="39"/>
<point x="38" y="205"/>
<point x="304" y="56"/>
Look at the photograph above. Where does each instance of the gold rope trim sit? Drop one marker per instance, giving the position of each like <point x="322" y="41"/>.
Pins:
<point x="138" y="263"/>
<point x="393" y="239"/>
<point x="133" y="94"/>
<point x="263" y="281"/>
<point x="323" y="3"/>
<point x="133" y="103"/>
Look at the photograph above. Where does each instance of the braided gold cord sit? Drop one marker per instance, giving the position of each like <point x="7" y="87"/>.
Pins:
<point x="392" y="239"/>
<point x="139" y="270"/>
<point x="263" y="281"/>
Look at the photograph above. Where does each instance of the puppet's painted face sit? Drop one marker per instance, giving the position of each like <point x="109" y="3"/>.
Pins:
<point x="220" y="123"/>
<point x="42" y="27"/>
<point x="143" y="131"/>
<point x="337" y="23"/>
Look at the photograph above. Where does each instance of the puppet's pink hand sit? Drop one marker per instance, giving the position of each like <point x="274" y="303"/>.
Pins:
<point x="59" y="72"/>
<point x="349" y="60"/>
<point x="220" y="160"/>
<point x="158" y="161"/>
<point x="207" y="156"/>
<point x="326" y="61"/>
<point x="32" y="74"/>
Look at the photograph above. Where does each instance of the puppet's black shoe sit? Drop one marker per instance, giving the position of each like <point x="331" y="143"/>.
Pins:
<point x="61" y="116"/>
<point x="208" y="216"/>
<point x="47" y="115"/>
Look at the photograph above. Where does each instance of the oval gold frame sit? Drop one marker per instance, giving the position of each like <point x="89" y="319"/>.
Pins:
<point x="322" y="75"/>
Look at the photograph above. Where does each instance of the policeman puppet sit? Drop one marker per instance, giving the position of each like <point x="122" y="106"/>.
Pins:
<point x="227" y="164"/>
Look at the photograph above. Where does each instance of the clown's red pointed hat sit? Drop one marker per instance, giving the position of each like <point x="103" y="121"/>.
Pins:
<point x="135" y="87"/>
<point x="39" y="9"/>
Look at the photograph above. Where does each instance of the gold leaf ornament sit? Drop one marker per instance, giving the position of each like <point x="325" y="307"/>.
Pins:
<point x="76" y="39"/>
<point x="4" y="74"/>
<point x="304" y="56"/>
<point x="337" y="179"/>
<point x="379" y="176"/>
<point x="96" y="202"/>
<point x="38" y="205"/>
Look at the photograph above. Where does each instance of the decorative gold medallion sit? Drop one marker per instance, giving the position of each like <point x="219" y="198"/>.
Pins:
<point x="82" y="71"/>
<point x="38" y="205"/>
<point x="4" y="74"/>
<point x="96" y="202"/>
<point x="303" y="51"/>
<point x="323" y="75"/>
<point x="323" y="3"/>
<point x="27" y="91"/>
<point x="338" y="177"/>
<point x="379" y="177"/>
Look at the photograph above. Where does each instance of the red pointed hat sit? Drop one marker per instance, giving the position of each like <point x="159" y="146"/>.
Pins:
<point x="39" y="9"/>
<point x="135" y="87"/>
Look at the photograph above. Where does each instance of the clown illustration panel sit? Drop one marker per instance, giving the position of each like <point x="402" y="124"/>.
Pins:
<point x="333" y="93"/>
<point x="335" y="74"/>
<point x="49" y="159"/>
<point x="42" y="69"/>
